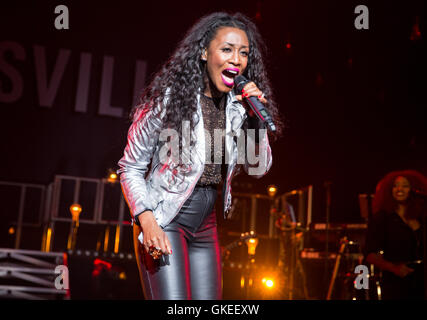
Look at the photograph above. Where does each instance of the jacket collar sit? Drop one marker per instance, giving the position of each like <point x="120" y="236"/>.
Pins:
<point x="231" y="98"/>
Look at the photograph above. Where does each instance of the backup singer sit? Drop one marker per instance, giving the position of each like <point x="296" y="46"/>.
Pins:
<point x="172" y="202"/>
<point x="394" y="241"/>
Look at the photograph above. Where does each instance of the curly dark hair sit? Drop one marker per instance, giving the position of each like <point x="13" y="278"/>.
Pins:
<point x="384" y="201"/>
<point x="182" y="76"/>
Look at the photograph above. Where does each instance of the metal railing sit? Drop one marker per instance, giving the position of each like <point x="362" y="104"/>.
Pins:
<point x="97" y="214"/>
<point x="22" y="199"/>
<point x="51" y="209"/>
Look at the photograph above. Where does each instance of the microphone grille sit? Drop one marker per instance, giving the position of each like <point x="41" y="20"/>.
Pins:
<point x="239" y="82"/>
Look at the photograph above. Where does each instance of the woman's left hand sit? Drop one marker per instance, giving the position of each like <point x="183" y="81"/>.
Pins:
<point x="251" y="90"/>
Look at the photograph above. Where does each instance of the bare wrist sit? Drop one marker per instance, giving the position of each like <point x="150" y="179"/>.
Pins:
<point x="145" y="216"/>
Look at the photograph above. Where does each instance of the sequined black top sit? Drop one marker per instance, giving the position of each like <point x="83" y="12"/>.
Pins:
<point x="213" y="110"/>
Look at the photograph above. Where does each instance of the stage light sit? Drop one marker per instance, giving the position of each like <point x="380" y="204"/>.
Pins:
<point x="252" y="244"/>
<point x="272" y="190"/>
<point x="268" y="282"/>
<point x="112" y="176"/>
<point x="75" y="210"/>
<point x="117" y="240"/>
<point x="100" y="262"/>
<point x="106" y="238"/>
<point x="378" y="290"/>
<point x="48" y="239"/>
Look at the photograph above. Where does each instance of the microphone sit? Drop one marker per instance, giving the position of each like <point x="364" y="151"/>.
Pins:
<point x="418" y="193"/>
<point x="256" y="105"/>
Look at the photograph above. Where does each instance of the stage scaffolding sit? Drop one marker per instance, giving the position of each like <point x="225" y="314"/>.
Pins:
<point x="56" y="198"/>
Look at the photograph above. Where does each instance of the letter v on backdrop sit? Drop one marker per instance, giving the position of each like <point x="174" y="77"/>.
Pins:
<point x="14" y="65"/>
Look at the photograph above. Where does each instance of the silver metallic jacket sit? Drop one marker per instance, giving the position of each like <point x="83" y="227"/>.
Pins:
<point x="164" y="190"/>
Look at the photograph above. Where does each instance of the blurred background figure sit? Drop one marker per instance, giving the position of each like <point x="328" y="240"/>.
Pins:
<point x="395" y="237"/>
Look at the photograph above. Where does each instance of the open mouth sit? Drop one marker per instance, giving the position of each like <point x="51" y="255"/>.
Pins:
<point x="228" y="75"/>
<point x="400" y="194"/>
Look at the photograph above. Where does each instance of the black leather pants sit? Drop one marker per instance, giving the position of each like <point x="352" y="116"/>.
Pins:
<point x="193" y="270"/>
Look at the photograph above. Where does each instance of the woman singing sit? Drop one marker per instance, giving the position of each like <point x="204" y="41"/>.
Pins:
<point x="171" y="194"/>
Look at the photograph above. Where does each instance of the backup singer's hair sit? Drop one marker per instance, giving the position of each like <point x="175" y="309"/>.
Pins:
<point x="183" y="74"/>
<point x="384" y="201"/>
